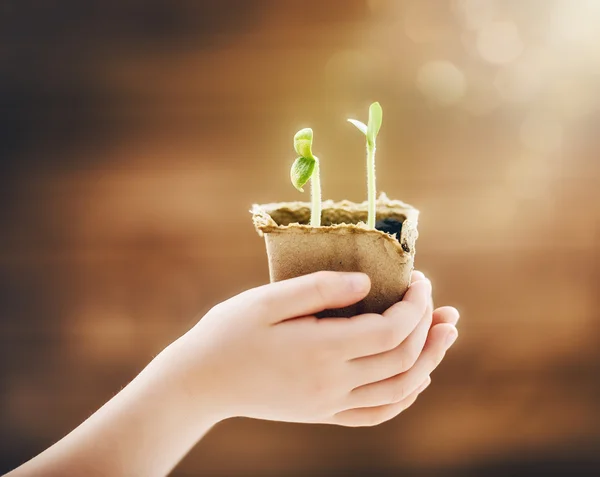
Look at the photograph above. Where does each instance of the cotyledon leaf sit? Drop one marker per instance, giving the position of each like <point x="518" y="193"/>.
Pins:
<point x="303" y="142"/>
<point x="302" y="170"/>
<point x="362" y="127"/>
<point x="375" y="119"/>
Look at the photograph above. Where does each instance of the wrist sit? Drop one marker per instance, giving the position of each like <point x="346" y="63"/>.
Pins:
<point x="193" y="387"/>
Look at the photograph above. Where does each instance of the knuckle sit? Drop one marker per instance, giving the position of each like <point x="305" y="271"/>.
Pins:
<point x="408" y="404"/>
<point x="372" y="419"/>
<point x="387" y="337"/>
<point x="385" y="340"/>
<point x="437" y="358"/>
<point x="401" y="365"/>
<point x="379" y="416"/>
<point x="217" y="309"/>
<point x="323" y="277"/>
<point x="318" y="387"/>
<point x="396" y="333"/>
<point x="408" y="358"/>
<point x="320" y="285"/>
<point x="325" y="384"/>
<point x="398" y="392"/>
<point x="414" y="311"/>
<point x="260" y="305"/>
<point x="324" y="354"/>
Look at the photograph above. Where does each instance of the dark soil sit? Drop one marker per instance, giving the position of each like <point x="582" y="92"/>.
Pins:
<point x="390" y="226"/>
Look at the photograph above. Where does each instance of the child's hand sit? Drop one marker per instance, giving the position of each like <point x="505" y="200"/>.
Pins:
<point x="263" y="354"/>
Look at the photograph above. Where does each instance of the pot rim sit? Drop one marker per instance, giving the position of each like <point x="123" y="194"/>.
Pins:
<point x="265" y="224"/>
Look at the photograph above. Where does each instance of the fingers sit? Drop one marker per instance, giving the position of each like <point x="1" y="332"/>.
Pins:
<point x="372" y="416"/>
<point x="445" y="314"/>
<point x="306" y="295"/>
<point x="371" y="334"/>
<point x="424" y="385"/>
<point x="415" y="300"/>
<point x="399" y="387"/>
<point x="372" y="369"/>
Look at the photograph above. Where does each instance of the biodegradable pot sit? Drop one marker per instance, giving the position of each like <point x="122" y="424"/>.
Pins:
<point x="342" y="243"/>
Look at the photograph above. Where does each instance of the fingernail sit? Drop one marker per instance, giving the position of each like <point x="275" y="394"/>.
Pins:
<point x="451" y="337"/>
<point x="359" y="282"/>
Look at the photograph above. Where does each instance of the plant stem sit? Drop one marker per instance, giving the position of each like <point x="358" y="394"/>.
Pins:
<point x="315" y="193"/>
<point x="371" y="185"/>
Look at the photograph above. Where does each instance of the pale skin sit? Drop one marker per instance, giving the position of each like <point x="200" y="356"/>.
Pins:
<point x="263" y="354"/>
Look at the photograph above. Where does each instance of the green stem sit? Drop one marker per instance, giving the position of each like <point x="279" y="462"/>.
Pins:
<point x="315" y="192"/>
<point x="371" y="185"/>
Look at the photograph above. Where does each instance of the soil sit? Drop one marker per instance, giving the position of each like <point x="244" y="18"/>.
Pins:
<point x="390" y="226"/>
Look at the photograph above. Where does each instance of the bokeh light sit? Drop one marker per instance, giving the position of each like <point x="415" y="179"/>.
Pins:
<point x="541" y="132"/>
<point x="441" y="82"/>
<point x="426" y="21"/>
<point x="475" y="14"/>
<point x="499" y="42"/>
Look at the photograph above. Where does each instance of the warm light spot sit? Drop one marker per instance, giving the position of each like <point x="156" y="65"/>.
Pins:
<point x="573" y="36"/>
<point x="425" y="21"/>
<point x="519" y="83"/>
<point x="476" y="13"/>
<point x="499" y="42"/>
<point x="441" y="82"/>
<point x="468" y="40"/>
<point x="541" y="132"/>
<point x="481" y="98"/>
<point x="575" y="98"/>
<point x="576" y="21"/>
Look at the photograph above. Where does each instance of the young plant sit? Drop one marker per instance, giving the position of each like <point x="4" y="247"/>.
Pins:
<point x="304" y="168"/>
<point x="370" y="130"/>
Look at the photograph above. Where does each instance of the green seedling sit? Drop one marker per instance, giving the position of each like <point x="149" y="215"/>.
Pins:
<point x="305" y="168"/>
<point x="371" y="130"/>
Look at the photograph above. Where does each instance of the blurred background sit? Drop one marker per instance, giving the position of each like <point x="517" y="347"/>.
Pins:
<point x="136" y="135"/>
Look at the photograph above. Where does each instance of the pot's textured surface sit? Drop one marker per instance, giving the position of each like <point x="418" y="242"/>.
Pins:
<point x="342" y="243"/>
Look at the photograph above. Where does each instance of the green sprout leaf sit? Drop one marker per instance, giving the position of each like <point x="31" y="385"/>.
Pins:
<point x="303" y="142"/>
<point x="305" y="168"/>
<point x="302" y="171"/>
<point x="375" y="119"/>
<point x="362" y="127"/>
<point x="370" y="131"/>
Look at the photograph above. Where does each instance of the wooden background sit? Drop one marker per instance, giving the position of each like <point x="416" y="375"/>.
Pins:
<point x="134" y="137"/>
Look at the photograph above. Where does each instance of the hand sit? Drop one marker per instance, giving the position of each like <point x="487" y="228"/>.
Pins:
<point x="263" y="354"/>
<point x="444" y="320"/>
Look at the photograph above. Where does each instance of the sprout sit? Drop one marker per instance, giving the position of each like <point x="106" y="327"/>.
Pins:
<point x="304" y="168"/>
<point x="370" y="131"/>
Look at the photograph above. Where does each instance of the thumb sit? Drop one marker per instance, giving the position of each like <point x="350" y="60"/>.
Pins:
<point x="308" y="294"/>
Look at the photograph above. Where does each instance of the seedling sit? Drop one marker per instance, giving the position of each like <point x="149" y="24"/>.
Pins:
<point x="305" y="168"/>
<point x="384" y="251"/>
<point x="371" y="130"/>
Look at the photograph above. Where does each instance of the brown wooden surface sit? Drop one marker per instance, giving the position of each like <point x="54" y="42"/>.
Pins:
<point x="135" y="138"/>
